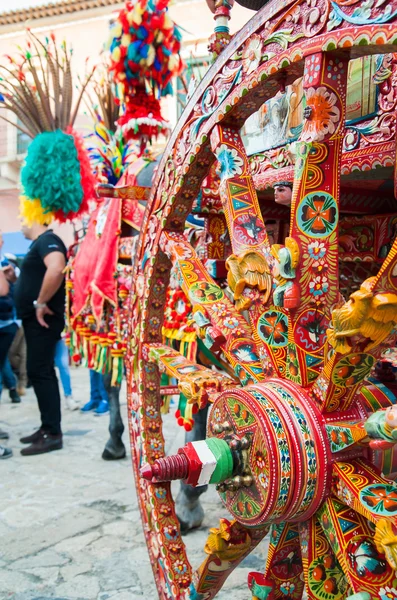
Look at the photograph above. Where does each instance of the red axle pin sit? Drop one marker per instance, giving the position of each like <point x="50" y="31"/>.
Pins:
<point x="167" y="468"/>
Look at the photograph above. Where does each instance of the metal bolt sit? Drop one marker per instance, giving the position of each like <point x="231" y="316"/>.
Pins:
<point x="235" y="444"/>
<point x="247" y="480"/>
<point x="238" y="481"/>
<point x="245" y="443"/>
<point x="217" y="428"/>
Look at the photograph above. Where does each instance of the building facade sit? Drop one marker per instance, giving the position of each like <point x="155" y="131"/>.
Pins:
<point x="84" y="26"/>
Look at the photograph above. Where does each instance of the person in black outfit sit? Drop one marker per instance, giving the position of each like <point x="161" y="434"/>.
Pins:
<point x="40" y="303"/>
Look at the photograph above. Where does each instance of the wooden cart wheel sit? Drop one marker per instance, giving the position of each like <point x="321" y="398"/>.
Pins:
<point x="297" y="416"/>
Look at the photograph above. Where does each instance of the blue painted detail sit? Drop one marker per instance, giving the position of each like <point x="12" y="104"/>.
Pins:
<point x="358" y="17"/>
<point x="195" y="221"/>
<point x="346" y="525"/>
<point x="207" y="113"/>
<point x="311" y="361"/>
<point x="292" y="534"/>
<point x="383" y="388"/>
<point x="239" y="204"/>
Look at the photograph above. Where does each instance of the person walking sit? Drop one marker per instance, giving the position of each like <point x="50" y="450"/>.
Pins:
<point x="8" y="328"/>
<point x="62" y="364"/>
<point x="8" y="380"/>
<point x="99" y="399"/>
<point x="40" y="300"/>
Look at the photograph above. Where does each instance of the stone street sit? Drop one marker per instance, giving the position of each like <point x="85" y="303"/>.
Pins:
<point x="69" y="521"/>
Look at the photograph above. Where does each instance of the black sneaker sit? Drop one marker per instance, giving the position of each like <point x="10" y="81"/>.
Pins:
<point x="15" y="399"/>
<point x="4" y="435"/>
<point x="5" y="452"/>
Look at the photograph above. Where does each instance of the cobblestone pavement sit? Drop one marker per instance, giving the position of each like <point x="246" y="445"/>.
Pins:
<point x="69" y="521"/>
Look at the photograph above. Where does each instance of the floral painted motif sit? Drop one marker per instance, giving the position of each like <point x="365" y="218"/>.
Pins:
<point x="304" y="538"/>
<point x="273" y="328"/>
<point x="380" y="498"/>
<point x="260" y="460"/>
<point x="317" y="214"/>
<point x="388" y="593"/>
<point x="180" y="567"/>
<point x="231" y="322"/>
<point x="287" y="588"/>
<point x="263" y="480"/>
<point x="205" y="292"/>
<point x="319" y="286"/>
<point x="160" y="492"/>
<point x="244" y="351"/>
<point x="345" y="493"/>
<point x="316" y="249"/>
<point x="241" y="415"/>
<point x="326" y="579"/>
<point x="170" y="532"/>
<point x="220" y="310"/>
<point x="230" y="162"/>
<point x="252" y="53"/>
<point x="319" y="267"/>
<point x="324" y="114"/>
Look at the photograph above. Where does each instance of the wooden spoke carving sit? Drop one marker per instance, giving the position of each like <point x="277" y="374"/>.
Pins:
<point x="298" y="437"/>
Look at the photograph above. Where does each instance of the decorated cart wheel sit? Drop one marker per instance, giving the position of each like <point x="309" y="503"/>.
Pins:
<point x="295" y="444"/>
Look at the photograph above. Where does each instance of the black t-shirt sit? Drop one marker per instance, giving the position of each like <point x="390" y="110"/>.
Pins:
<point x="33" y="269"/>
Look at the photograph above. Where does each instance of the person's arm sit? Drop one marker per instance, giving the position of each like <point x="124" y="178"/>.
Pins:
<point x="55" y="263"/>
<point x="4" y="285"/>
<point x="9" y="272"/>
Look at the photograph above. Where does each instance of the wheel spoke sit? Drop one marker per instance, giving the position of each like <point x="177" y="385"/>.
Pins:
<point x="361" y="332"/>
<point x="226" y="548"/>
<point x="351" y="539"/>
<point x="250" y="265"/>
<point x="320" y="565"/>
<point x="229" y="328"/>
<point x="196" y="383"/>
<point x="362" y="487"/>
<point x="284" y="561"/>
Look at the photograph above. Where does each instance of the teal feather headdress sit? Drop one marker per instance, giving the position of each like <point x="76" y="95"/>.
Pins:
<point x="37" y="87"/>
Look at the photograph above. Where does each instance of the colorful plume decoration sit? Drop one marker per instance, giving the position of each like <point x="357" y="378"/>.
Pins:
<point x="110" y="153"/>
<point x="145" y="56"/>
<point x="142" y="117"/>
<point x="31" y="211"/>
<point x="37" y="87"/>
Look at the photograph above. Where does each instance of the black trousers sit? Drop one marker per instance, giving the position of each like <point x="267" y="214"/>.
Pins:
<point x="6" y="336"/>
<point x="40" y="346"/>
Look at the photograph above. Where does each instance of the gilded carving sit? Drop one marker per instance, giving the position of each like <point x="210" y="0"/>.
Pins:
<point x="248" y="270"/>
<point x="365" y="317"/>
